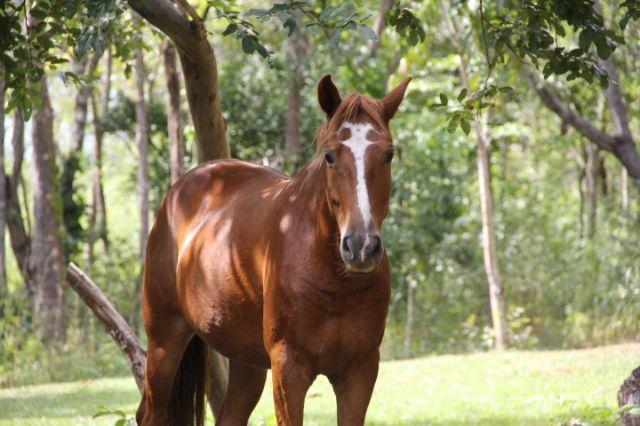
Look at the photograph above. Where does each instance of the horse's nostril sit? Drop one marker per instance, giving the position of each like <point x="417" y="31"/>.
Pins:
<point x="347" y="247"/>
<point x="375" y="246"/>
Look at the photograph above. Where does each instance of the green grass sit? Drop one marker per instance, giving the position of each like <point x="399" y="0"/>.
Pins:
<point x="512" y="388"/>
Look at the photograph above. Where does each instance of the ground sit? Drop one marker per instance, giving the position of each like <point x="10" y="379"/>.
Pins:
<point x="511" y="388"/>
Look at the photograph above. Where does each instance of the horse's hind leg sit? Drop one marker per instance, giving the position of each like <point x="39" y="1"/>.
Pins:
<point x="245" y="387"/>
<point x="168" y="339"/>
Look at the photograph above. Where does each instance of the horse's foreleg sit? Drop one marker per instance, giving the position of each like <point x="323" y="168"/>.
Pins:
<point x="243" y="393"/>
<point x="353" y="388"/>
<point x="167" y="343"/>
<point x="291" y="380"/>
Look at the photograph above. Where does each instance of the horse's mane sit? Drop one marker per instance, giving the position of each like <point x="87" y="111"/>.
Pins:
<point x="354" y="108"/>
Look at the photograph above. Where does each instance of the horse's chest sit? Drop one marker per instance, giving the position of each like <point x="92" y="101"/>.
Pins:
<point x="337" y="336"/>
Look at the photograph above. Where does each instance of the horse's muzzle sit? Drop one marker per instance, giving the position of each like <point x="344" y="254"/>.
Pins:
<point x="361" y="254"/>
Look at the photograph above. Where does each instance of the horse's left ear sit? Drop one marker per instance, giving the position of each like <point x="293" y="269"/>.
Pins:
<point x="391" y="102"/>
<point x="328" y="96"/>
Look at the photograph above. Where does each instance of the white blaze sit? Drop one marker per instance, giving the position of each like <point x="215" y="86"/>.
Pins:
<point x="358" y="144"/>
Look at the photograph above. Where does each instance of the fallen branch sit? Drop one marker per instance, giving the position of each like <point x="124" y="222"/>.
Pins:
<point x="115" y="324"/>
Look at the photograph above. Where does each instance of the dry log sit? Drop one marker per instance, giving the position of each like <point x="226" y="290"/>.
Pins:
<point x="115" y="324"/>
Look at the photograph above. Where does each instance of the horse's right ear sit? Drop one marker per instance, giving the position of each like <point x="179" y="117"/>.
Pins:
<point x="328" y="96"/>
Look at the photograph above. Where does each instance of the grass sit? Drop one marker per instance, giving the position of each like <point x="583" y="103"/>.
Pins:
<point x="511" y="388"/>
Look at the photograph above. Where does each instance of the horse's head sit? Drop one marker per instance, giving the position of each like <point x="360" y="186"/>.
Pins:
<point x="358" y="150"/>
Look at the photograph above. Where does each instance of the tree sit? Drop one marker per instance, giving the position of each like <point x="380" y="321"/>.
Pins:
<point x="299" y="45"/>
<point x="174" y="114"/>
<point x="98" y="211"/>
<point x="142" y="141"/>
<point x="199" y="68"/>
<point x="3" y="202"/>
<point x="46" y="251"/>
<point x="480" y="127"/>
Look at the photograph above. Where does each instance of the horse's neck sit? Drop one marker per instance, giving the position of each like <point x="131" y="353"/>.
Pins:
<point x="309" y="185"/>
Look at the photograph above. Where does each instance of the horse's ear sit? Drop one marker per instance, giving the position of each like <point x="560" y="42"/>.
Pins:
<point x="328" y="96"/>
<point x="391" y="102"/>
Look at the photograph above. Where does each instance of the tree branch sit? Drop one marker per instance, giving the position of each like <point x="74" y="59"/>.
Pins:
<point x="112" y="320"/>
<point x="164" y="15"/>
<point x="200" y="71"/>
<point x="591" y="132"/>
<point x="619" y="145"/>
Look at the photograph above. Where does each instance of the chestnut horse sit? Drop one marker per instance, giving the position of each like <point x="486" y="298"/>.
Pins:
<point x="274" y="272"/>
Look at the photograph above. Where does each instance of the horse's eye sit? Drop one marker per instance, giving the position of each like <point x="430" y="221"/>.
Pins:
<point x="330" y="158"/>
<point x="389" y="156"/>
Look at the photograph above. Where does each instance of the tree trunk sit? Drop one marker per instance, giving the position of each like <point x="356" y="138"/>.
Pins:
<point x="591" y="193"/>
<point x="498" y="313"/>
<point x="496" y="290"/>
<point x="3" y="202"/>
<point x="411" y="286"/>
<point x="18" y="234"/>
<point x="46" y="251"/>
<point x="174" y="115"/>
<point x="624" y="189"/>
<point x="298" y="49"/>
<point x="142" y="140"/>
<point x="199" y="68"/>
<point x="98" y="211"/>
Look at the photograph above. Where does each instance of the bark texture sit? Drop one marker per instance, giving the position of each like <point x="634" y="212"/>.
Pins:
<point x="46" y="251"/>
<point x="174" y="115"/>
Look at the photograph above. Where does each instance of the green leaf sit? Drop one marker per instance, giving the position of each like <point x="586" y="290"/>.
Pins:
<point x="625" y="20"/>
<point x="463" y="94"/>
<point x="584" y="40"/>
<point x="248" y="45"/>
<point x="231" y="28"/>
<point x="635" y="411"/>
<point x="368" y="33"/>
<point x="506" y="89"/>
<point x="290" y="24"/>
<point x="444" y="99"/>
<point x="466" y="127"/>
<point x="453" y="123"/>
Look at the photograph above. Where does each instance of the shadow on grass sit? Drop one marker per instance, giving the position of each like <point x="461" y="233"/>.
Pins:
<point x="83" y="402"/>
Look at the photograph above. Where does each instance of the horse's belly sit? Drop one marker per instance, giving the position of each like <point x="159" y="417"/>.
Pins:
<point x="222" y="299"/>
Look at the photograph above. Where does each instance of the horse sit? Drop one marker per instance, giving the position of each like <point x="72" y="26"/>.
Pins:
<point x="274" y="272"/>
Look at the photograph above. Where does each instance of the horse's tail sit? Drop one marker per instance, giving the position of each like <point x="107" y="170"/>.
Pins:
<point x="187" y="406"/>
